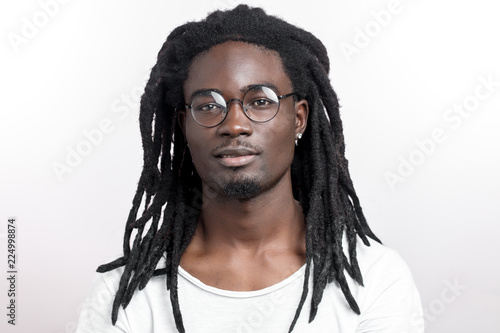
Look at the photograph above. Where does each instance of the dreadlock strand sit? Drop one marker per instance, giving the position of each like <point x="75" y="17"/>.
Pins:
<point x="158" y="244"/>
<point x="125" y="278"/>
<point x="353" y="265"/>
<point x="131" y="218"/>
<point x="322" y="265"/>
<point x="305" y="291"/>
<point x="172" y="278"/>
<point x="311" y="215"/>
<point x="316" y="214"/>
<point x="144" y="250"/>
<point x="112" y="265"/>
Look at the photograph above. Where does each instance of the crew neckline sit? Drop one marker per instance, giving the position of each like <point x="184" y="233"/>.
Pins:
<point x="242" y="294"/>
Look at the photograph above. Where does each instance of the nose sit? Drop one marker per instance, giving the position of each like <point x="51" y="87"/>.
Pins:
<point x="236" y="122"/>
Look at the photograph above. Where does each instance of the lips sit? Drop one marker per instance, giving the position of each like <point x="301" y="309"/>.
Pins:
<point x="236" y="156"/>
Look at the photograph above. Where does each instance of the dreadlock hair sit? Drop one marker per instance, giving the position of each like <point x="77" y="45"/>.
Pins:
<point x="169" y="188"/>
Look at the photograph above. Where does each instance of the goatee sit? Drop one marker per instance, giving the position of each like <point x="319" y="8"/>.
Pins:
<point x="242" y="189"/>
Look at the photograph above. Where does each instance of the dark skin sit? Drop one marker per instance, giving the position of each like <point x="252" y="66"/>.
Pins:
<point x="244" y="242"/>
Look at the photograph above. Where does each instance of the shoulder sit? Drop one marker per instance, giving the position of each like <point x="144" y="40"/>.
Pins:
<point x="378" y="259"/>
<point x="149" y="310"/>
<point x="109" y="280"/>
<point x="389" y="300"/>
<point x="95" y="315"/>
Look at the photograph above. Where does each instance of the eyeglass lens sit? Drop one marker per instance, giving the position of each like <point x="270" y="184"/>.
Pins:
<point x="259" y="103"/>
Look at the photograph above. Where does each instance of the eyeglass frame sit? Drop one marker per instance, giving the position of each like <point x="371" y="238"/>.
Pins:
<point x="280" y="97"/>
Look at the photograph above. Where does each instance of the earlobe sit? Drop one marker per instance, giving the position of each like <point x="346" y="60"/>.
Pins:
<point x="301" y="115"/>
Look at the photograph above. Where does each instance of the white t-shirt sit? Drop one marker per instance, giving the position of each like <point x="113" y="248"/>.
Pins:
<point x="389" y="303"/>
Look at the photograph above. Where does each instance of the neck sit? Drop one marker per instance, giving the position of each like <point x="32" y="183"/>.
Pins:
<point x="273" y="218"/>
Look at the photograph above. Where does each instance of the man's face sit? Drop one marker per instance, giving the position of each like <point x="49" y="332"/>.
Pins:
<point x="241" y="158"/>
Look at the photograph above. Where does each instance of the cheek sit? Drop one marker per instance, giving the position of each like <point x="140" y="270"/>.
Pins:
<point x="196" y="135"/>
<point x="197" y="156"/>
<point x="281" y="140"/>
<point x="197" y="143"/>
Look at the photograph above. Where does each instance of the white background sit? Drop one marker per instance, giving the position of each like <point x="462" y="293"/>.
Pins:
<point x="82" y="64"/>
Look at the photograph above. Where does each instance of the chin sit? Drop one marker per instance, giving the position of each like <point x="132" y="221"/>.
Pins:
<point x="242" y="189"/>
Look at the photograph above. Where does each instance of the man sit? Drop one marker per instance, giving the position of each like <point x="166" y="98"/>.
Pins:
<point x="250" y="221"/>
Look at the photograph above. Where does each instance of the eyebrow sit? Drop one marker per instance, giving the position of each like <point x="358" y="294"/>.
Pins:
<point x="243" y="90"/>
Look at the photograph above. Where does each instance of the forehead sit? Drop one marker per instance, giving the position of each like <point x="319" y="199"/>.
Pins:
<point x="232" y="66"/>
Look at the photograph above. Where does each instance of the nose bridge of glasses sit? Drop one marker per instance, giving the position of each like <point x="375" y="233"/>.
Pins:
<point x="240" y="102"/>
<point x="237" y="121"/>
<point x="233" y="100"/>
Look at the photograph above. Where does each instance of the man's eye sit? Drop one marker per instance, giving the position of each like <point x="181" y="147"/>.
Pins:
<point x="261" y="103"/>
<point x="209" y="108"/>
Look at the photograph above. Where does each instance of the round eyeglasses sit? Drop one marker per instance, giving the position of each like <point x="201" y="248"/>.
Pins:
<point x="260" y="104"/>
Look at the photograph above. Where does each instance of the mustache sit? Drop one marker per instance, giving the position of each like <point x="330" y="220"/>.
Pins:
<point x="238" y="143"/>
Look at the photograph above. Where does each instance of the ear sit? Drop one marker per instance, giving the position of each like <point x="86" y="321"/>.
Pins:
<point x="301" y="114"/>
